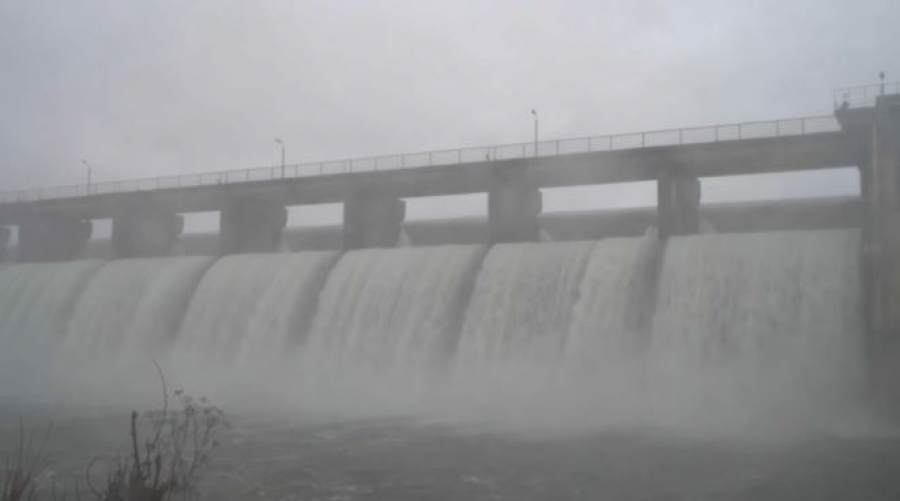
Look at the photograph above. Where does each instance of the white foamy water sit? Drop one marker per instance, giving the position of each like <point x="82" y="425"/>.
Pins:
<point x="387" y="310"/>
<point x="520" y="309"/>
<point x="251" y="307"/>
<point x="36" y="302"/>
<point x="759" y="319"/>
<point x="555" y="331"/>
<point x="610" y="321"/>
<point x="133" y="306"/>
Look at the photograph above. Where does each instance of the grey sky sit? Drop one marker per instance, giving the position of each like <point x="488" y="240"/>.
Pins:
<point x="174" y="86"/>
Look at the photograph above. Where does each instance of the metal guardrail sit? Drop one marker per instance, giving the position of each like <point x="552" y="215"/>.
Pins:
<point x="550" y="148"/>
<point x="863" y="96"/>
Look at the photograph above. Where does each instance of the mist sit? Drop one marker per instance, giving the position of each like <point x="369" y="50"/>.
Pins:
<point x="644" y="250"/>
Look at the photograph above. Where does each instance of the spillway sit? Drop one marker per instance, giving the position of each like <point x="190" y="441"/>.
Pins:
<point x="767" y="319"/>
<point x="133" y="306"/>
<point x="36" y="303"/>
<point x="384" y="311"/>
<point x="520" y="309"/>
<point x="251" y="307"/>
<point x="610" y="322"/>
<point x="700" y="322"/>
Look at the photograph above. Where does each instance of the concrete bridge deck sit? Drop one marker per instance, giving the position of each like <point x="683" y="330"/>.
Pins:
<point x="722" y="150"/>
<point x="55" y="223"/>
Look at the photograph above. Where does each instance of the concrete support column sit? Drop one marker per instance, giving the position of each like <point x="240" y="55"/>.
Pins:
<point x="372" y="219"/>
<point x="882" y="244"/>
<point x="251" y="225"/>
<point x="678" y="202"/>
<point x="513" y="209"/>
<point x="52" y="238"/>
<point x="147" y="231"/>
<point x="5" y="234"/>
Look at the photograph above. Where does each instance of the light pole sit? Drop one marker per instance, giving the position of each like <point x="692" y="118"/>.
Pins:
<point x="279" y="141"/>
<point x="88" y="165"/>
<point x="535" y="113"/>
<point x="881" y="76"/>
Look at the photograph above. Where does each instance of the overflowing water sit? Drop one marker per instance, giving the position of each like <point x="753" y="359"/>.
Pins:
<point x="520" y="308"/>
<point x="133" y="306"/>
<point x="36" y="303"/>
<point x="759" y="319"/>
<point x="709" y="323"/>
<point x="387" y="323"/>
<point x="251" y="308"/>
<point x="609" y="322"/>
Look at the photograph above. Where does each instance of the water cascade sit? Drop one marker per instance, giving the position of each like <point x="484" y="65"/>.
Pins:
<point x="37" y="301"/>
<point x="520" y="308"/>
<point x="702" y="322"/>
<point x="759" y="319"/>
<point x="390" y="310"/>
<point x="133" y="306"/>
<point x="610" y="322"/>
<point x="252" y="308"/>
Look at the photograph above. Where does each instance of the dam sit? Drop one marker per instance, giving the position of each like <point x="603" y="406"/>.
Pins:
<point x="789" y="303"/>
<point x="393" y="359"/>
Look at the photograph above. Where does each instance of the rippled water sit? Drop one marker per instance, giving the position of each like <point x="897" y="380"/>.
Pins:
<point x="400" y="459"/>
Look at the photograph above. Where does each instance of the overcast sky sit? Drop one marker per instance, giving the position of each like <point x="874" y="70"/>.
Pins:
<point x="176" y="86"/>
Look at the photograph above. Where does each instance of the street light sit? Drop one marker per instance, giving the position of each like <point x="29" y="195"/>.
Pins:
<point x="881" y="76"/>
<point x="279" y="141"/>
<point x="88" y="165"/>
<point x="535" y="113"/>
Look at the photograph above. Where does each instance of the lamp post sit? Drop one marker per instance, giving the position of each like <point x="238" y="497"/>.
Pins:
<point x="88" y="165"/>
<point x="535" y="113"/>
<point x="881" y="76"/>
<point x="279" y="141"/>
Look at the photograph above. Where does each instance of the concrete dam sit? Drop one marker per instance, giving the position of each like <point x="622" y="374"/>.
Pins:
<point x="651" y="318"/>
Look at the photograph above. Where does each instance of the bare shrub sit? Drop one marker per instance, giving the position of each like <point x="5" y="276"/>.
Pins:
<point x="162" y="466"/>
<point x="18" y="480"/>
<point x="165" y="465"/>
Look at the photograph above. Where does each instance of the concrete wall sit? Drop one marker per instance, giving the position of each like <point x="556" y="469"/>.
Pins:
<point x="844" y="212"/>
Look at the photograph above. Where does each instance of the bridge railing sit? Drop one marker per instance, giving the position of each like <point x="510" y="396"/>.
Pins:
<point x="863" y="95"/>
<point x="512" y="151"/>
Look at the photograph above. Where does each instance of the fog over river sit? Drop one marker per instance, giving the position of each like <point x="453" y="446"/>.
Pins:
<point x="726" y="366"/>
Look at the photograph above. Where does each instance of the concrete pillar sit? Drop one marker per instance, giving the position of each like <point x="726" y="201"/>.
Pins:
<point x="251" y="225"/>
<point x="678" y="202"/>
<point x="52" y="238"/>
<point x="881" y="251"/>
<point x="5" y="234"/>
<point x="372" y="219"/>
<point x="147" y="231"/>
<point x="513" y="208"/>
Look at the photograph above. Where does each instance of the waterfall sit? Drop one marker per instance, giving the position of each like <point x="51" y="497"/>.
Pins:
<point x="769" y="317"/>
<point x="700" y="324"/>
<point x="134" y="306"/>
<point x="521" y="305"/>
<point x="610" y="322"/>
<point x="36" y="302"/>
<point x="252" y="306"/>
<point x="387" y="310"/>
